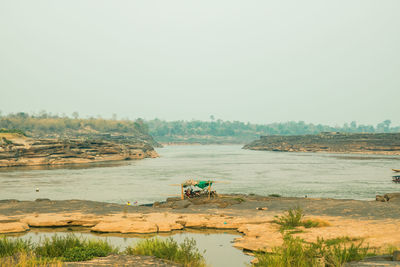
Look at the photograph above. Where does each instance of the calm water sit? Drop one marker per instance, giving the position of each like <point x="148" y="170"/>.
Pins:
<point x="246" y="171"/>
<point x="216" y="244"/>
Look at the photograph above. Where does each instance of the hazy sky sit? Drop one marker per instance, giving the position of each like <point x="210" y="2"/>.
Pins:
<point x="250" y="60"/>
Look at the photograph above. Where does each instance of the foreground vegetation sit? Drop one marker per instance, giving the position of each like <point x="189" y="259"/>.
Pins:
<point x="295" y="252"/>
<point x="54" y="249"/>
<point x="185" y="253"/>
<point x="57" y="249"/>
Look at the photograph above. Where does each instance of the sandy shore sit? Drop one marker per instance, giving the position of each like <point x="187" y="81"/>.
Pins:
<point x="378" y="223"/>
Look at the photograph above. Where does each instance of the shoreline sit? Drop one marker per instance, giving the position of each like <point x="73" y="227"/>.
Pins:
<point x="378" y="223"/>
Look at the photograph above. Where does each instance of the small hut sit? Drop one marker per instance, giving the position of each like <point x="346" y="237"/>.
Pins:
<point x="205" y="189"/>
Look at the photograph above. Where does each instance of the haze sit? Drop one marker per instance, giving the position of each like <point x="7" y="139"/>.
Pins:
<point x="259" y="61"/>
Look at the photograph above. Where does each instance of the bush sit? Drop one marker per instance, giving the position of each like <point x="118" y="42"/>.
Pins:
<point x="185" y="253"/>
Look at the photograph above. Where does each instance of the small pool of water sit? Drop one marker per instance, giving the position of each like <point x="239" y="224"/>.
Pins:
<point x="217" y="244"/>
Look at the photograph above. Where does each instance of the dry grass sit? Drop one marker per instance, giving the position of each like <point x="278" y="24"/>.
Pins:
<point x="28" y="259"/>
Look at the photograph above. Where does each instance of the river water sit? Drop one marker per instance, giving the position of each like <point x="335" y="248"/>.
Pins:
<point x="242" y="171"/>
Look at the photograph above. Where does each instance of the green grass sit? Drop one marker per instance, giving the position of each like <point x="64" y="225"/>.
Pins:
<point x="185" y="253"/>
<point x="73" y="248"/>
<point x="9" y="247"/>
<point x="62" y="248"/>
<point x="294" y="217"/>
<point x="291" y="219"/>
<point x="296" y="253"/>
<point x="340" y="240"/>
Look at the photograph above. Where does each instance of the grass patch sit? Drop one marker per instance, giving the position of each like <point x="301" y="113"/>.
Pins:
<point x="9" y="247"/>
<point x="185" y="253"/>
<point x="56" y="248"/>
<point x="291" y="219"/>
<point x="72" y="248"/>
<point x="296" y="253"/>
<point x="341" y="240"/>
<point x="294" y="217"/>
<point x="28" y="259"/>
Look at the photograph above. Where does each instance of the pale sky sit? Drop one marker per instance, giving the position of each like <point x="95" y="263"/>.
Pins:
<point x="251" y="60"/>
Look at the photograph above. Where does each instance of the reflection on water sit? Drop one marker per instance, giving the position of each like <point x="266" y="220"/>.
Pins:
<point x="259" y="172"/>
<point x="217" y="244"/>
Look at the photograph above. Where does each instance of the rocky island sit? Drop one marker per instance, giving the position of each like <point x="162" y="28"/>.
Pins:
<point x="19" y="150"/>
<point x="331" y="142"/>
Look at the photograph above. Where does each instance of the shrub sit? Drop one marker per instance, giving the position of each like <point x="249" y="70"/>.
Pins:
<point x="294" y="218"/>
<point x="291" y="219"/>
<point x="185" y="253"/>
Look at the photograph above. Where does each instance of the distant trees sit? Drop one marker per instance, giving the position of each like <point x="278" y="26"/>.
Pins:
<point x="215" y="130"/>
<point x="169" y="131"/>
<point x="44" y="124"/>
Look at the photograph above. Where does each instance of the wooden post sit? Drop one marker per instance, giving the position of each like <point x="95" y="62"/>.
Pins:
<point x="209" y="190"/>
<point x="182" y="196"/>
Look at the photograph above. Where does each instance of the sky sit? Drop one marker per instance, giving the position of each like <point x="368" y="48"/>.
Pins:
<point x="260" y="61"/>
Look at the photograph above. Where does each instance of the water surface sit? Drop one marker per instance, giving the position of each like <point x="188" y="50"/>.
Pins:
<point x="244" y="171"/>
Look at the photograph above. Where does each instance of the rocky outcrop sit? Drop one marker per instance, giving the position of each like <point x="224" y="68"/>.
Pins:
<point x="17" y="150"/>
<point x="375" y="222"/>
<point x="388" y="197"/>
<point x="366" y="143"/>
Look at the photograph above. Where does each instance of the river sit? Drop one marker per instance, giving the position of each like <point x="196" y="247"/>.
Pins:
<point x="241" y="171"/>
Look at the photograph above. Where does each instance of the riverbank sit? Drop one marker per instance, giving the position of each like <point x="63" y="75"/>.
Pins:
<point x="357" y="143"/>
<point x="377" y="223"/>
<point x="18" y="150"/>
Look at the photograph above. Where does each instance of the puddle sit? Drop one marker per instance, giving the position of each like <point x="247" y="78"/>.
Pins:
<point x="218" y="244"/>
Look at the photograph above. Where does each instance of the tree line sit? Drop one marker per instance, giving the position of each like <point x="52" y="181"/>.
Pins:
<point x="45" y="124"/>
<point x="213" y="131"/>
<point x="236" y="131"/>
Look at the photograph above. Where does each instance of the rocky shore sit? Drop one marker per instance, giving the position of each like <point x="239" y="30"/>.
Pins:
<point x="18" y="150"/>
<point x="378" y="223"/>
<point x="364" y="143"/>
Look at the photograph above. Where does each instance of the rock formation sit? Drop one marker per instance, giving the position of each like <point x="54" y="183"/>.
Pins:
<point x="366" y="143"/>
<point x="18" y="150"/>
